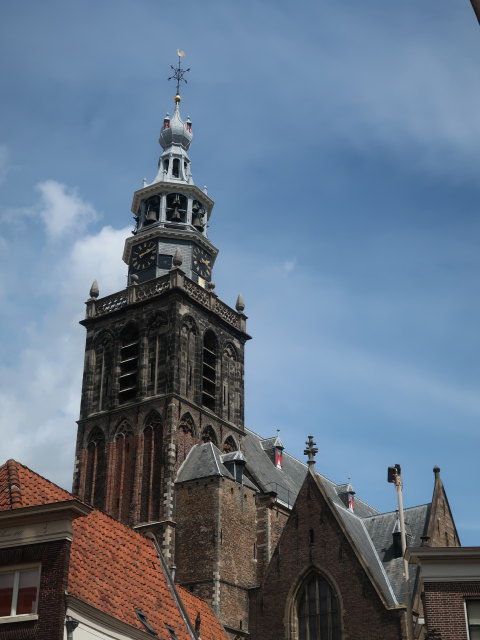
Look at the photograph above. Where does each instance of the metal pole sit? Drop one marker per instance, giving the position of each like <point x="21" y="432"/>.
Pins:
<point x="403" y="537"/>
<point x="394" y="475"/>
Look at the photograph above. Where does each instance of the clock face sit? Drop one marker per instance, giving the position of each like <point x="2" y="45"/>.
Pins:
<point x="144" y="255"/>
<point x="202" y="263"/>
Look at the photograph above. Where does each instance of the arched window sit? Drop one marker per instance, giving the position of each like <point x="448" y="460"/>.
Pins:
<point x="128" y="365"/>
<point x="229" y="445"/>
<point x="157" y="355"/>
<point x="151" y="468"/>
<point x="209" y="370"/>
<point x="125" y="471"/>
<point x="209" y="435"/>
<point x="103" y="370"/>
<point x="229" y="382"/>
<point x="317" y="610"/>
<point x="95" y="470"/>
<point x="188" y="347"/>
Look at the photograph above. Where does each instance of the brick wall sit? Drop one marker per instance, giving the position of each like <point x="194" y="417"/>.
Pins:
<point x="312" y="538"/>
<point x="215" y="545"/>
<point x="54" y="558"/>
<point x="444" y="605"/>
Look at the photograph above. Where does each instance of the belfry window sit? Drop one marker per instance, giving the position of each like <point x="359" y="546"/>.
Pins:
<point x="128" y="365"/>
<point x="209" y="370"/>
<point x="317" y="610"/>
<point x="176" y="168"/>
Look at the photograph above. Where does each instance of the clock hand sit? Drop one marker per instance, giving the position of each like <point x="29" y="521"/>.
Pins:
<point x="145" y="252"/>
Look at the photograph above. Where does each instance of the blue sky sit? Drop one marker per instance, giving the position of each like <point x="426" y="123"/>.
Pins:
<point x="341" y="144"/>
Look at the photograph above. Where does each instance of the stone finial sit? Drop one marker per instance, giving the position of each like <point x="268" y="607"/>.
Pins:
<point x="240" y="304"/>
<point x="210" y="286"/>
<point x="436" y="470"/>
<point x="310" y="451"/>
<point x="94" y="290"/>
<point x="144" y="183"/>
<point x="134" y="279"/>
<point x="177" y="258"/>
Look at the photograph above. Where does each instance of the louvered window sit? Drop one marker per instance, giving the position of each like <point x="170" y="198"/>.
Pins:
<point x="128" y="366"/>
<point x="209" y="370"/>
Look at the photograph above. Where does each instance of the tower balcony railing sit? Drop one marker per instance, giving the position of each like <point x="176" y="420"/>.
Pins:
<point x="175" y="279"/>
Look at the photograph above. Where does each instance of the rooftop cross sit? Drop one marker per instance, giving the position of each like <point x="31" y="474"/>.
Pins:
<point x="310" y="451"/>
<point x="178" y="72"/>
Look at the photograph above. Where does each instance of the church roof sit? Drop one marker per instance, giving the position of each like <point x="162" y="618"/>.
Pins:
<point x="369" y="530"/>
<point x="112" y="567"/>
<point x="205" y="460"/>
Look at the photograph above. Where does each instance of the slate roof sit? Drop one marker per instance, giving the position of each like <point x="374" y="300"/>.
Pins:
<point x="204" y="461"/>
<point x="369" y="530"/>
<point x="112" y="567"/>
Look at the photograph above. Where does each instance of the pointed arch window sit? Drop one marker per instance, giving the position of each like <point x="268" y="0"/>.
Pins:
<point x="157" y="355"/>
<point x="125" y="471"/>
<point x="229" y="382"/>
<point x="209" y="370"/>
<point x="188" y="345"/>
<point x="317" y="610"/>
<point x="128" y="365"/>
<point x="103" y="370"/>
<point x="229" y="445"/>
<point x="95" y="469"/>
<point x="209" y="435"/>
<point x="151" y="468"/>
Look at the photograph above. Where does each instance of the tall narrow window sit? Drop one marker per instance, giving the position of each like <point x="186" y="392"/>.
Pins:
<point x="209" y="370"/>
<point x="96" y="469"/>
<point x="229" y="382"/>
<point x="176" y="168"/>
<point x="317" y="610"/>
<point x="103" y="370"/>
<point x="157" y="355"/>
<point x="188" y="346"/>
<point x="128" y="365"/>
<point x="151" y="471"/>
<point x="125" y="471"/>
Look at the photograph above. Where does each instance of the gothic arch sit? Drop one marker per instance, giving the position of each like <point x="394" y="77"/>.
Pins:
<point x="188" y="357"/>
<point x="157" y="320"/>
<point x="230" y="382"/>
<point x="128" y="363"/>
<point x="151" y="467"/>
<point x="209" y="435"/>
<point x="209" y="370"/>
<point x="157" y="332"/>
<point x="103" y="369"/>
<point x="125" y="459"/>
<point x="187" y="424"/>
<point x="95" y="472"/>
<point x="314" y="604"/>
<point x="229" y="445"/>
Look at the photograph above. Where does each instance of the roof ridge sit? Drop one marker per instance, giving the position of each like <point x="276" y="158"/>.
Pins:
<point x="386" y="513"/>
<point x="14" y="484"/>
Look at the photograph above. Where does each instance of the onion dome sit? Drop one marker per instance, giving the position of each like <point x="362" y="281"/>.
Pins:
<point x="175" y="131"/>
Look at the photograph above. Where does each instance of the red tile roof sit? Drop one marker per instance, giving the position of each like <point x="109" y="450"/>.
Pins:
<point x="112" y="567"/>
<point x="22" y="487"/>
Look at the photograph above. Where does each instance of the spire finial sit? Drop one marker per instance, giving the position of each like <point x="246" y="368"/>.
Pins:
<point x="178" y="74"/>
<point x="310" y="451"/>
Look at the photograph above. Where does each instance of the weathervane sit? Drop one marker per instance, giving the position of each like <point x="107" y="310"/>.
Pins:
<point x="178" y="72"/>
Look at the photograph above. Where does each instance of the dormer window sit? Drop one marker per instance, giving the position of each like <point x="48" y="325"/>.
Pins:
<point x="278" y="457"/>
<point x="166" y="122"/>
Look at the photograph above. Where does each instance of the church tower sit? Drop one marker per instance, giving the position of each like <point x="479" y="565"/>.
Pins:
<point x="164" y="358"/>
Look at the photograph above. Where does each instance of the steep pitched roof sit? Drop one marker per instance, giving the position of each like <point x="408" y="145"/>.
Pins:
<point x="22" y="487"/>
<point x="112" y="567"/>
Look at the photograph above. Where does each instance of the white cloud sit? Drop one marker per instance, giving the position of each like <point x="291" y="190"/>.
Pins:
<point x="40" y="389"/>
<point x="289" y="265"/>
<point x="62" y="210"/>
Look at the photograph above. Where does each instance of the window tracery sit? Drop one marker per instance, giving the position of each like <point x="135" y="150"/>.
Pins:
<point x="95" y="474"/>
<point x="317" y="610"/>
